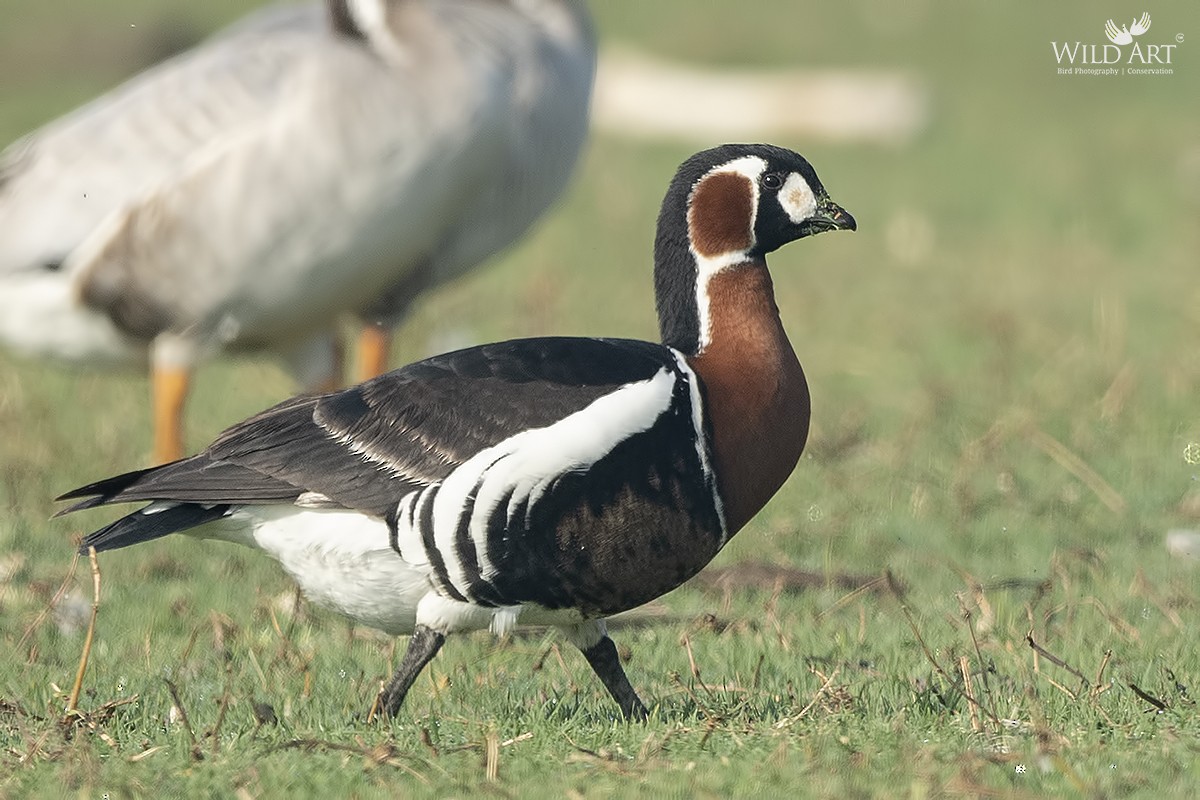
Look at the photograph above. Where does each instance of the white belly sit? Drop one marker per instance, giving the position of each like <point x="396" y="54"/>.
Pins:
<point x="341" y="560"/>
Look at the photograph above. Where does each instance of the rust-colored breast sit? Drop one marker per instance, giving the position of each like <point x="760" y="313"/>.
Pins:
<point x="755" y="392"/>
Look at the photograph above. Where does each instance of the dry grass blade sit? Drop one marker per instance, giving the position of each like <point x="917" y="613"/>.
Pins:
<point x="981" y="601"/>
<point x="708" y="713"/>
<point x="1149" y="698"/>
<point x="1053" y="659"/>
<point x="54" y="601"/>
<point x="870" y="586"/>
<point x="1144" y="588"/>
<point x="73" y="699"/>
<point x="522" y="737"/>
<point x="763" y="576"/>
<point x="226" y="695"/>
<point x="375" y="704"/>
<point x="1098" y="687"/>
<point x="383" y="753"/>
<point x="1122" y="627"/>
<point x="491" y="756"/>
<point x="149" y="751"/>
<point x="427" y="741"/>
<point x="601" y="758"/>
<point x="1075" y="465"/>
<point x="964" y="666"/>
<point x="1117" y="394"/>
<point x="187" y="650"/>
<point x="28" y="756"/>
<point x="934" y="662"/>
<point x="286" y="643"/>
<point x="197" y="754"/>
<point x="787" y="721"/>
<point x="693" y="667"/>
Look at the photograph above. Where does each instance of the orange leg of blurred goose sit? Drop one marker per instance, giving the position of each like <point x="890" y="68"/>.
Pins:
<point x="169" y="389"/>
<point x="316" y="362"/>
<point x="374" y="350"/>
<point x="333" y="381"/>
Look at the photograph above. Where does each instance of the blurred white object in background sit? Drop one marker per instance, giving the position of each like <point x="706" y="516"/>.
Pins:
<point x="641" y="96"/>
<point x="1184" y="543"/>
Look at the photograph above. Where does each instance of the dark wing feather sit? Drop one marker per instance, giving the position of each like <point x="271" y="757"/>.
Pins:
<point x="370" y="445"/>
<point x="141" y="526"/>
<point x="430" y="417"/>
<point x="366" y="447"/>
<point x="195" y="479"/>
<point x="98" y="492"/>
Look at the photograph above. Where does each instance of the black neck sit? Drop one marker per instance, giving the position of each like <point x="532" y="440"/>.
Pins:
<point x="675" y="274"/>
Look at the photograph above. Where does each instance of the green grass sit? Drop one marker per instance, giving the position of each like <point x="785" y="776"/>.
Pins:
<point x="1005" y="377"/>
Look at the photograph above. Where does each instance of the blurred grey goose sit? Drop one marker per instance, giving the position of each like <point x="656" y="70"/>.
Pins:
<point x="306" y="162"/>
<point x="552" y="480"/>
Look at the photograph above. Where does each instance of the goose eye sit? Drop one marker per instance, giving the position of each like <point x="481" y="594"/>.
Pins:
<point x="771" y="180"/>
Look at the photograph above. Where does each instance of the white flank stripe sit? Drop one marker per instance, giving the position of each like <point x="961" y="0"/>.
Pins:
<point x="455" y="498"/>
<point x="701" y="441"/>
<point x="408" y="537"/>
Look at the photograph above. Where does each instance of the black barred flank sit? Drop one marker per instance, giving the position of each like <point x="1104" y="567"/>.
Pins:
<point x="618" y="534"/>
<point x="393" y="525"/>
<point x="585" y="538"/>
<point x="437" y="559"/>
<point x="464" y="549"/>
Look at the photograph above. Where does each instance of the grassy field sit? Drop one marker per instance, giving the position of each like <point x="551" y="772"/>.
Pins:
<point x="1006" y="384"/>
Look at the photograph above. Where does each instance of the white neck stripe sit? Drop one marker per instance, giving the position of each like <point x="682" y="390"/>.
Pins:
<point x="751" y="168"/>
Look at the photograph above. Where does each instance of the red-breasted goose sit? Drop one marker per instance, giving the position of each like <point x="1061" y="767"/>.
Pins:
<point x="304" y="163"/>
<point x="554" y="480"/>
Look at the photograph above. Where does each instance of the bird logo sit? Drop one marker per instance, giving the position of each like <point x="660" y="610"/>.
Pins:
<point x="1125" y="34"/>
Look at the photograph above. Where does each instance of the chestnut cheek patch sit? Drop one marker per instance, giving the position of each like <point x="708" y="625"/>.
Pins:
<point x="721" y="218"/>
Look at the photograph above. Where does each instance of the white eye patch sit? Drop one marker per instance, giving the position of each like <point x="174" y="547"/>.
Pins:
<point x="797" y="198"/>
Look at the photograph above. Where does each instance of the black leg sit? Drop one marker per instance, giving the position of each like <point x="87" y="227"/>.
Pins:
<point x="607" y="665"/>
<point x="422" y="647"/>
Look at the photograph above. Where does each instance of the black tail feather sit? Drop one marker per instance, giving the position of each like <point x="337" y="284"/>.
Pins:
<point x="100" y="492"/>
<point x="198" y="479"/>
<point x="91" y="502"/>
<point x="143" y="525"/>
